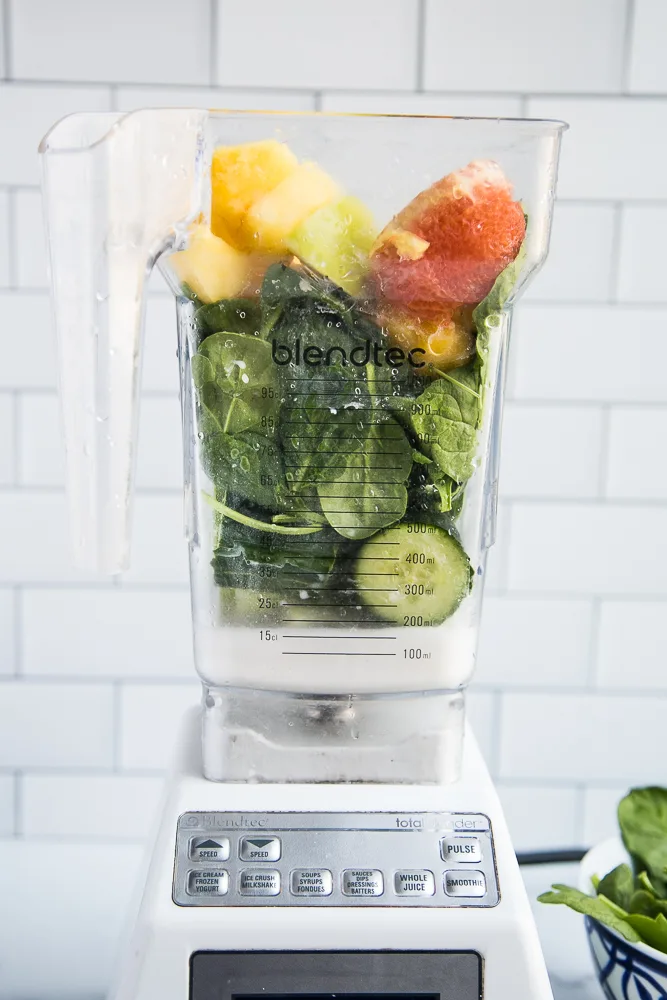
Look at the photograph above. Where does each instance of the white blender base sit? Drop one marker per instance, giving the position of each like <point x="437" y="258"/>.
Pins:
<point x="156" y="960"/>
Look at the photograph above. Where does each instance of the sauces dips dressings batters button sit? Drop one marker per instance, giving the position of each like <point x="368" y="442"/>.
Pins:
<point x="363" y="882"/>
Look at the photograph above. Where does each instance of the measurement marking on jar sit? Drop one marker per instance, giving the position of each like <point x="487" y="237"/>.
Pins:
<point x="350" y="590"/>
<point x="323" y="621"/>
<point x="374" y="638"/>
<point x="357" y="607"/>
<point x="298" y="652"/>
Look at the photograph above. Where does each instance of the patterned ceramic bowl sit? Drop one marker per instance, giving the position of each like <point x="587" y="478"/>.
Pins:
<point x="625" y="971"/>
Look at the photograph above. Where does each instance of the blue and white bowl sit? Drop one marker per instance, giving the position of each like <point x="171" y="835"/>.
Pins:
<point x="625" y="971"/>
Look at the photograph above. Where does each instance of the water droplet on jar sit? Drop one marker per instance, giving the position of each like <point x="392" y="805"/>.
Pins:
<point x="245" y="463"/>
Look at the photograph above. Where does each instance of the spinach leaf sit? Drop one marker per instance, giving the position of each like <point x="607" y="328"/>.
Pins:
<point x="646" y="903"/>
<point x="444" y="420"/>
<point x="248" y="464"/>
<point x="618" y="885"/>
<point x="590" y="906"/>
<point x="652" y="930"/>
<point x="288" y="291"/>
<point x="487" y="315"/>
<point x="362" y="484"/>
<point x="288" y="563"/>
<point x="236" y="381"/>
<point x="446" y="417"/>
<point x="230" y="315"/>
<point x="238" y="416"/>
<point x="642" y="817"/>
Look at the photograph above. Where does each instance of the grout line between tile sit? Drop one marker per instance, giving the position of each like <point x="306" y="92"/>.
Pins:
<point x="603" y="460"/>
<point x="628" y="41"/>
<point x="18" y="632"/>
<point x="420" y="60"/>
<point x="16" y="437"/>
<point x="579" y="812"/>
<point x="317" y="100"/>
<point x="213" y="28"/>
<point x="6" y="16"/>
<point x="593" y="647"/>
<point x="615" y="256"/>
<point x="18" y="804"/>
<point x="113" y="97"/>
<point x="117" y="724"/>
<point x="12" y="238"/>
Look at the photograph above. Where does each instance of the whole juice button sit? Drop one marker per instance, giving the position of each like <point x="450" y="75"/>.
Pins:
<point x="414" y="882"/>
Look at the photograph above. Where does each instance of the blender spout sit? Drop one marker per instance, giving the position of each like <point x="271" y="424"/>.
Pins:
<point x="117" y="190"/>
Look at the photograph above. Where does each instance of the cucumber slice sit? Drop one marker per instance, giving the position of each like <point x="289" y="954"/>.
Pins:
<point x="413" y="574"/>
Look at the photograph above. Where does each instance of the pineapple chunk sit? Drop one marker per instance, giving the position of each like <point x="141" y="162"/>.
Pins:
<point x="336" y="241"/>
<point x="271" y="219"/>
<point x="408" y="246"/>
<point x="240" y="176"/>
<point x="211" y="268"/>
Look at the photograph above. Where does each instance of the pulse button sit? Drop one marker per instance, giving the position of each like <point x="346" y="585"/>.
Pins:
<point x="461" y="850"/>
<point x="260" y="848"/>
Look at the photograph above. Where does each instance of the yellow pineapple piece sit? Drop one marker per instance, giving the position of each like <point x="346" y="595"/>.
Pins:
<point x="271" y="219"/>
<point x="240" y="176"/>
<point x="407" y="245"/>
<point x="212" y="268"/>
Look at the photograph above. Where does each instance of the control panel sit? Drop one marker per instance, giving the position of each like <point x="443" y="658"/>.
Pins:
<point x="335" y="859"/>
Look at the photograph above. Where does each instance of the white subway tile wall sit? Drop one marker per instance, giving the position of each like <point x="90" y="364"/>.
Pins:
<point x="571" y="692"/>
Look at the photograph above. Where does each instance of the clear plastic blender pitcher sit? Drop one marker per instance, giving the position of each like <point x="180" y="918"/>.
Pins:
<point x="343" y="291"/>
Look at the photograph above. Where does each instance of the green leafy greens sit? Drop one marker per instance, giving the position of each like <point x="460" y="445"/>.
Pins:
<point x="308" y="456"/>
<point x="631" y="900"/>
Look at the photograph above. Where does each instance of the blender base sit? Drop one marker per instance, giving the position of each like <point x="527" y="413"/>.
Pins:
<point x="229" y="945"/>
<point x="275" y="736"/>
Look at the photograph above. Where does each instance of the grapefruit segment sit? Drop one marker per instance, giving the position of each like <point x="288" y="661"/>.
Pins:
<point x="473" y="228"/>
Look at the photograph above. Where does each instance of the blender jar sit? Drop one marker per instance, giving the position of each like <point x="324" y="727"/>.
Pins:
<point x="344" y="288"/>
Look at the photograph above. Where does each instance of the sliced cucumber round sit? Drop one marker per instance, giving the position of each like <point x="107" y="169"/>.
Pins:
<point x="412" y="574"/>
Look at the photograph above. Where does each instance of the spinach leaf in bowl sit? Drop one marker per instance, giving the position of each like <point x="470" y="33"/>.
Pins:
<point x="632" y="901"/>
<point x="642" y="817"/>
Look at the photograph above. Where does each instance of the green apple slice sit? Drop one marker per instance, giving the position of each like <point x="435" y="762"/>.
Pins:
<point x="336" y="241"/>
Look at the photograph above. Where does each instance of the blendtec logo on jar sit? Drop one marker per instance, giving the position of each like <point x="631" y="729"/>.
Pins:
<point x="360" y="356"/>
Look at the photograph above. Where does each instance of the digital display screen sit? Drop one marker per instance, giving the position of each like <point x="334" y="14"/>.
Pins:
<point x="337" y="996"/>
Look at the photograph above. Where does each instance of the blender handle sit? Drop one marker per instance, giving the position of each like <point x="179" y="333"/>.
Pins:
<point x="117" y="190"/>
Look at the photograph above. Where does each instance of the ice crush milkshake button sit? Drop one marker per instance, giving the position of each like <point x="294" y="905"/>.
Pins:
<point x="208" y="883"/>
<point x="464" y="883"/>
<point x="414" y="882"/>
<point x="259" y="882"/>
<point x="363" y="882"/>
<point x="466" y="850"/>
